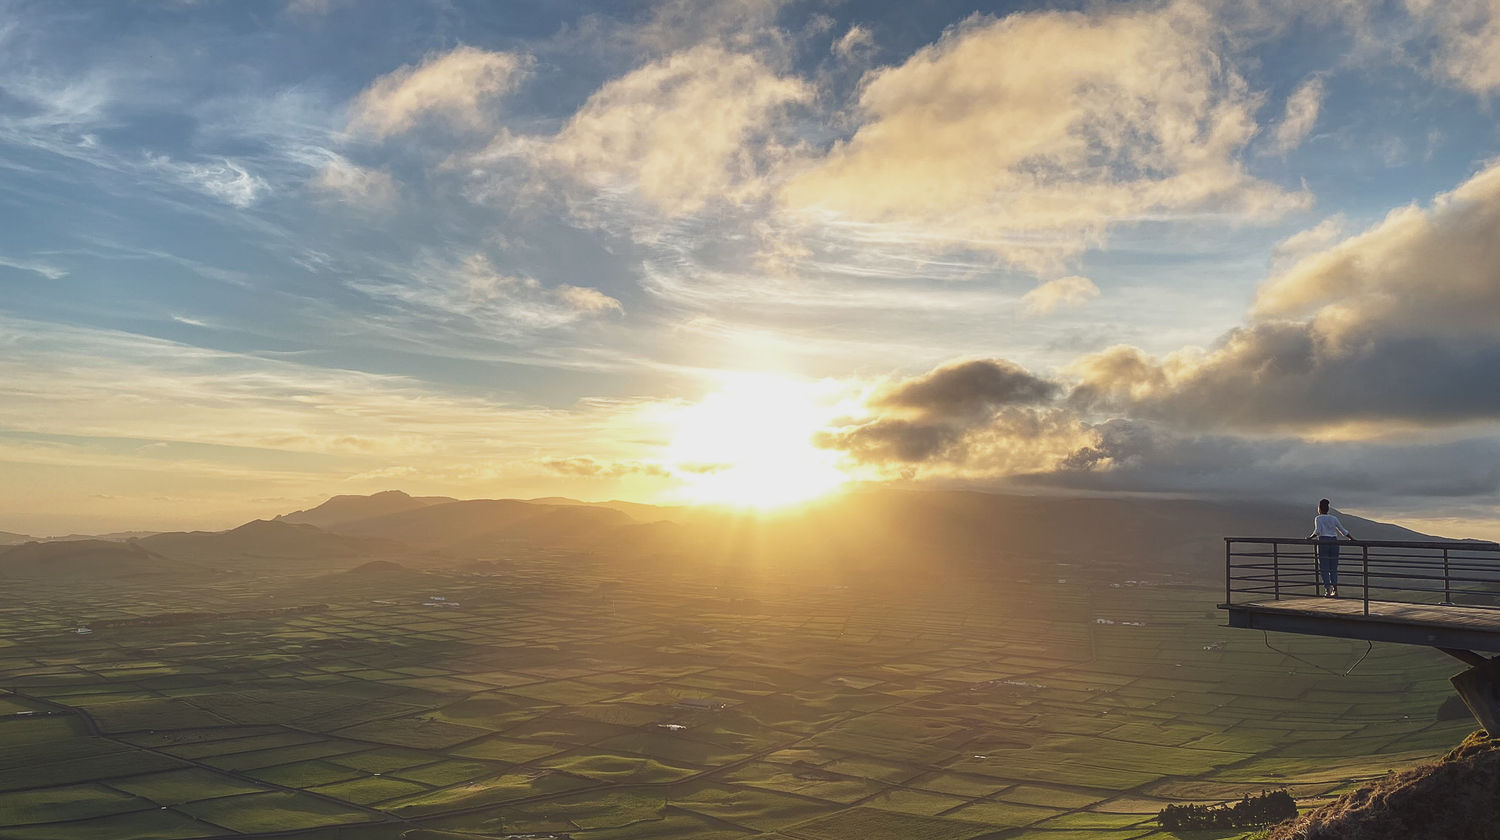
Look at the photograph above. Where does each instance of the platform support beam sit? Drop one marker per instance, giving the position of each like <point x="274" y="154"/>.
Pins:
<point x="1479" y="688"/>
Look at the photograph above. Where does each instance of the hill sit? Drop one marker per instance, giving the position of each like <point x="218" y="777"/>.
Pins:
<point x="11" y="538"/>
<point x="964" y="530"/>
<point x="481" y="526"/>
<point x="343" y="509"/>
<point x="268" y="540"/>
<point x="635" y="510"/>
<point x="115" y="536"/>
<point x="1456" y="798"/>
<point x="898" y="530"/>
<point x="95" y="559"/>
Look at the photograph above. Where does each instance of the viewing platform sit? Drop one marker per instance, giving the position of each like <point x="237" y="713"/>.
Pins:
<point x="1441" y="594"/>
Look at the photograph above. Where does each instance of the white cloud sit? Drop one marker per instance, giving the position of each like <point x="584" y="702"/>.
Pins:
<point x="455" y="85"/>
<point x="1468" y="38"/>
<point x="1031" y="135"/>
<point x="504" y="304"/>
<point x="855" y="44"/>
<point x="1301" y="115"/>
<point x="587" y="300"/>
<point x="679" y="132"/>
<point x="1306" y="242"/>
<point x="348" y="182"/>
<point x="51" y="272"/>
<point x="226" y="181"/>
<point x="1063" y="291"/>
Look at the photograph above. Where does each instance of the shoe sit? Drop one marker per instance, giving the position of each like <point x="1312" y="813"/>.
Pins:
<point x="1334" y="592"/>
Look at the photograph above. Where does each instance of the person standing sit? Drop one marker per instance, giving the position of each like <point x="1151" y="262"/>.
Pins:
<point x="1326" y="530"/>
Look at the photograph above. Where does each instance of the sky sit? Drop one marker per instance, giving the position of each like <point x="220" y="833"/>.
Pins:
<point x="254" y="254"/>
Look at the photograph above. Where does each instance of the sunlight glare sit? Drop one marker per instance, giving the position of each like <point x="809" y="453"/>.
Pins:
<point x="749" y="443"/>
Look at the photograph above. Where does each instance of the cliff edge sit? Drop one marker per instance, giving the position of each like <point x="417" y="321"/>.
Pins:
<point x="1455" y="798"/>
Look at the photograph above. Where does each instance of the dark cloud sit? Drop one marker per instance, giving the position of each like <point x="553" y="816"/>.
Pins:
<point x="896" y="440"/>
<point x="966" y="389"/>
<point x="1141" y="456"/>
<point x="1399" y="323"/>
<point x="1288" y="375"/>
<point x="937" y="416"/>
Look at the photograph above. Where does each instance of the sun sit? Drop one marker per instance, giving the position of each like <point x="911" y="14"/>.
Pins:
<point x="750" y="443"/>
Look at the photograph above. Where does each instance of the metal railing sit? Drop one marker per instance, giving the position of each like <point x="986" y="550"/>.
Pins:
<point x="1437" y="573"/>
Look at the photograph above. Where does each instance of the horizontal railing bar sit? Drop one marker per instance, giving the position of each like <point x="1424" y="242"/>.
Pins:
<point x="1460" y="545"/>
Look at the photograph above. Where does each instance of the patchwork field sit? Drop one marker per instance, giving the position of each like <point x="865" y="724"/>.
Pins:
<point x="553" y="695"/>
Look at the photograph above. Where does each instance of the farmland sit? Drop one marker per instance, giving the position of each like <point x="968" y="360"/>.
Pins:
<point x="561" y="694"/>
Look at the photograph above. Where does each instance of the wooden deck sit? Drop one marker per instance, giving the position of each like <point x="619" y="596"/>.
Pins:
<point x="1464" y="628"/>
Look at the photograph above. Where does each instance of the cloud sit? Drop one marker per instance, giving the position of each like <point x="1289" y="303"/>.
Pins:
<point x="1367" y="361"/>
<point x="966" y="388"/>
<point x="1130" y="455"/>
<point x="984" y="413"/>
<point x="855" y="45"/>
<point x="314" y="8"/>
<point x="226" y="181"/>
<point x="80" y="397"/>
<point x="1063" y="291"/>
<point x="1468" y="39"/>
<point x="456" y="85"/>
<point x="50" y="272"/>
<point x="632" y="134"/>
<point x="350" y="183"/>
<point x="676" y="25"/>
<point x="586" y="300"/>
<point x="586" y="467"/>
<point x="383" y="472"/>
<point x="1031" y="135"/>
<point x="498" y="302"/>
<point x="1301" y="115"/>
<point x="1306" y="242"/>
<point x="1386" y="329"/>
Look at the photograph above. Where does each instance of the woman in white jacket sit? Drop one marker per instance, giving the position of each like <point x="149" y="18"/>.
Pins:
<point x="1326" y="530"/>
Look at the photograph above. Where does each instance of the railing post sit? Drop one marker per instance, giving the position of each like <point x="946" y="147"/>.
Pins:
<point x="1276" y="570"/>
<point x="1447" y="582"/>
<point x="1317" y="573"/>
<point x="1366" y="562"/>
<point x="1227" y="590"/>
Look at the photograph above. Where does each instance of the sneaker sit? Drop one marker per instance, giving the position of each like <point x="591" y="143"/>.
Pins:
<point x="1334" y="592"/>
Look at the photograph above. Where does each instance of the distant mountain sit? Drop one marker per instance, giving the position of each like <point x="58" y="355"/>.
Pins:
<point x="480" y="526"/>
<point x="635" y="510"/>
<point x="9" y="538"/>
<point x="950" y="530"/>
<point x="264" y="540"/>
<point x="908" y="532"/>
<point x="116" y="536"/>
<point x="94" y="559"/>
<point x="344" y="509"/>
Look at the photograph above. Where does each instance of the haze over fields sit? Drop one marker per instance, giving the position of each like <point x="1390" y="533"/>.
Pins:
<point x="882" y="664"/>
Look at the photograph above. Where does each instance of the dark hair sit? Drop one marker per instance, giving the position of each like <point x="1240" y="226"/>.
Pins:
<point x="1322" y="506"/>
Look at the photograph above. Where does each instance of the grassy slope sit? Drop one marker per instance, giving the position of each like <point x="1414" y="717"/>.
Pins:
<point x="1457" y="798"/>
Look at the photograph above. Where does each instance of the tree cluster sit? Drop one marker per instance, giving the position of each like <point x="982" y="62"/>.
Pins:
<point x="1265" y="809"/>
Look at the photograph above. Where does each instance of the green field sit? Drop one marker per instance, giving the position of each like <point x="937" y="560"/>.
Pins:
<point x="951" y="710"/>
